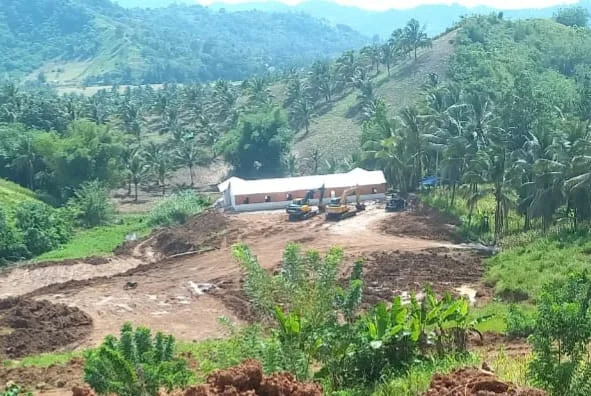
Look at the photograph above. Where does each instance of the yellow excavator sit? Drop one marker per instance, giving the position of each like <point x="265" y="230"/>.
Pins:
<point x="338" y="209"/>
<point x="301" y="208"/>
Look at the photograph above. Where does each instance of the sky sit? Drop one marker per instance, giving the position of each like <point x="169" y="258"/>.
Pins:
<point x="402" y="4"/>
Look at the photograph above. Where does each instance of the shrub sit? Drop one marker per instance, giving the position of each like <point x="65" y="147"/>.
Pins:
<point x="561" y="337"/>
<point x="11" y="243"/>
<point x="43" y="227"/>
<point x="178" y="209"/>
<point x="136" y="364"/>
<point x="91" y="204"/>
<point x="519" y="323"/>
<point x="315" y="319"/>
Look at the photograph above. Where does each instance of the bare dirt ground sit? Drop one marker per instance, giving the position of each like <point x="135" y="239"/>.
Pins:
<point x="185" y="278"/>
<point x="169" y="295"/>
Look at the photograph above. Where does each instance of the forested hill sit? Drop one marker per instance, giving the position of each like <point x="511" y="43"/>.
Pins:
<point x="97" y="41"/>
<point x="436" y="17"/>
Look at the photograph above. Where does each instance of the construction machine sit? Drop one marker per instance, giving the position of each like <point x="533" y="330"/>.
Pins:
<point x="338" y="209"/>
<point x="301" y="208"/>
<point x="394" y="203"/>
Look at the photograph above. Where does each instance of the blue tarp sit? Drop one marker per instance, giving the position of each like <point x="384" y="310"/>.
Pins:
<point x="430" y="181"/>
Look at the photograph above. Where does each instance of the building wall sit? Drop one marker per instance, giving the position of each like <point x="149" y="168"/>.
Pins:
<point x="280" y="205"/>
<point x="281" y="197"/>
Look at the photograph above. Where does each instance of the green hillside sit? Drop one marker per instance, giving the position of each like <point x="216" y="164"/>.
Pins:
<point x="337" y="135"/>
<point x="99" y="42"/>
<point x="11" y="194"/>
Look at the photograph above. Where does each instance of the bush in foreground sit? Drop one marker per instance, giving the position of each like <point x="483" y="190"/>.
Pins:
<point x="316" y="320"/>
<point x="91" y="204"/>
<point x="562" y="337"/>
<point x="178" y="209"/>
<point x="136" y="365"/>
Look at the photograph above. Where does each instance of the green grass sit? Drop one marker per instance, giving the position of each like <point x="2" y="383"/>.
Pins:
<point x="11" y="194"/>
<point x="99" y="241"/>
<point x="496" y="324"/>
<point x="519" y="272"/>
<point x="43" y="360"/>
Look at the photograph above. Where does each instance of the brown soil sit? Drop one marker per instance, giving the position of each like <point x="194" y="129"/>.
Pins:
<point x="391" y="273"/>
<point x="247" y="379"/>
<point x="41" y="378"/>
<point x="203" y="231"/>
<point x="475" y="382"/>
<point x="31" y="327"/>
<point x="200" y="232"/>
<point x="428" y="223"/>
<point x="491" y="343"/>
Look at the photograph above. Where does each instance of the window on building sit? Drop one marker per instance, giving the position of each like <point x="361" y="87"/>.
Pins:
<point x="288" y="197"/>
<point x="245" y="201"/>
<point x="267" y="198"/>
<point x="374" y="190"/>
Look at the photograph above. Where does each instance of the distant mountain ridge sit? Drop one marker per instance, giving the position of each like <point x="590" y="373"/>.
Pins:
<point x="97" y="42"/>
<point x="436" y="17"/>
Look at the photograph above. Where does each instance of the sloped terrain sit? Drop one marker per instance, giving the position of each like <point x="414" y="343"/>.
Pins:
<point x="336" y="134"/>
<point x="11" y="194"/>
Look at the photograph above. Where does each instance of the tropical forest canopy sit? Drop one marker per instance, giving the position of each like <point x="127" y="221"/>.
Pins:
<point x="97" y="41"/>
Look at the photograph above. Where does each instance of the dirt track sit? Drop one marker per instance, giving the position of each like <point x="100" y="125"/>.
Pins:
<point x="167" y="296"/>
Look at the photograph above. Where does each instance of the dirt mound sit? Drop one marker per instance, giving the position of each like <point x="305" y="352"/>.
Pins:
<point x="428" y="223"/>
<point x="42" y="378"/>
<point x="388" y="274"/>
<point x="204" y="231"/>
<point x="31" y="327"/>
<point x="476" y="382"/>
<point x="248" y="379"/>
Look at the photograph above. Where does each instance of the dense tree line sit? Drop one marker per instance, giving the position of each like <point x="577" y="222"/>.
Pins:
<point x="180" y="43"/>
<point x="512" y="121"/>
<point x="139" y="136"/>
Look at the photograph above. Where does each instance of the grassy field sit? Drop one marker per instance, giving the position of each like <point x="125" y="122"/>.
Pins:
<point x="518" y="273"/>
<point x="11" y="194"/>
<point x="100" y="241"/>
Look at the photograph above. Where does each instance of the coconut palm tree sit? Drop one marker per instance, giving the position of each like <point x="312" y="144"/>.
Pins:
<point x="301" y="114"/>
<point x="415" y="36"/>
<point x="189" y="155"/>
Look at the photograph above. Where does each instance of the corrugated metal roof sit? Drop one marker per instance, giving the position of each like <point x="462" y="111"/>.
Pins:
<point x="357" y="177"/>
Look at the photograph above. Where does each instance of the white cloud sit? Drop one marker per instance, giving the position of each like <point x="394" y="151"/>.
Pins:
<point x="402" y="4"/>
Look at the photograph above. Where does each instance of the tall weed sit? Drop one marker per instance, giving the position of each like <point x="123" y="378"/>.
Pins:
<point x="178" y="209"/>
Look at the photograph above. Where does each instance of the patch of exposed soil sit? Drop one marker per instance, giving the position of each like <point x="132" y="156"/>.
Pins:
<point x="206" y="230"/>
<point x="491" y="343"/>
<point x="393" y="273"/>
<point x="231" y="293"/>
<point x="43" y="378"/>
<point x="428" y="223"/>
<point x="247" y="379"/>
<point x="475" y="382"/>
<point x="32" y="327"/>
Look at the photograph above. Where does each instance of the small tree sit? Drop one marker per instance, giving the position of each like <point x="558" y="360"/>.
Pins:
<point x="91" y="204"/>
<point x="561" y="337"/>
<point x="135" y="365"/>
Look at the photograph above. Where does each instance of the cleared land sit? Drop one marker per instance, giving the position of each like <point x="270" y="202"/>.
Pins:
<point x="185" y="278"/>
